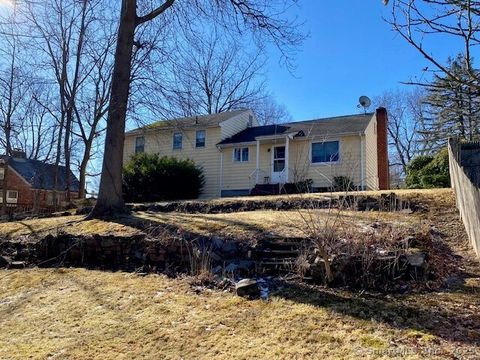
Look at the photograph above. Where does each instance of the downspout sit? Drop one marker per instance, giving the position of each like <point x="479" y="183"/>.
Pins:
<point x="362" y="161"/>
<point x="221" y="172"/>
<point x="257" y="169"/>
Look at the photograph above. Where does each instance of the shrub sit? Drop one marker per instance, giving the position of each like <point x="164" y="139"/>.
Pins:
<point x="299" y="187"/>
<point x="342" y="183"/>
<point x="148" y="177"/>
<point x="425" y="172"/>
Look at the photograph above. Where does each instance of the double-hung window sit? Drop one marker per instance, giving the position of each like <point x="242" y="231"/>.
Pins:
<point x="325" y="152"/>
<point x="12" y="197"/>
<point x="200" y="138"/>
<point x="240" y="154"/>
<point x="139" y="144"/>
<point x="2" y="173"/>
<point x="177" y="140"/>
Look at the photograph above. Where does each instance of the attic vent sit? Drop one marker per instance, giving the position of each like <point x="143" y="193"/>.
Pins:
<point x="196" y="120"/>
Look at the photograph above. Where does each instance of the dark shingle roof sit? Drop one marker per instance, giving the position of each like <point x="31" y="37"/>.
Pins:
<point x="192" y="121"/>
<point x="41" y="175"/>
<point x="341" y="125"/>
<point x="249" y="134"/>
<point x="348" y="124"/>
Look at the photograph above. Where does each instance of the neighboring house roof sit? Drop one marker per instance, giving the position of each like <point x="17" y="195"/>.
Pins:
<point x="41" y="175"/>
<point x="340" y="125"/>
<point x="210" y="120"/>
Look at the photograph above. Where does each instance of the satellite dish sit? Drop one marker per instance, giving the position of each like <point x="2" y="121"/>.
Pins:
<point x="365" y="102"/>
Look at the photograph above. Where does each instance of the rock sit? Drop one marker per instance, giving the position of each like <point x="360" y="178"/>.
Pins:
<point x="248" y="288"/>
<point x="416" y="259"/>
<point x="4" y="261"/>
<point x="246" y="265"/>
<point x="214" y="256"/>
<point x="217" y="269"/>
<point x="231" y="268"/>
<point x="237" y="266"/>
<point x="18" y="265"/>
<point x="229" y="247"/>
<point x="217" y="243"/>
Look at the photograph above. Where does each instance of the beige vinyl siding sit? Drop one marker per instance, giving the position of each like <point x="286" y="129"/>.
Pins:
<point x="236" y="175"/>
<point x="208" y="157"/>
<point x="349" y="163"/>
<point x="236" y="124"/>
<point x="371" y="159"/>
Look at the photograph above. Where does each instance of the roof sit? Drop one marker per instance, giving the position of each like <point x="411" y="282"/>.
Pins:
<point x="249" y="134"/>
<point x="340" y="125"/>
<point x="41" y="175"/>
<point x="210" y="120"/>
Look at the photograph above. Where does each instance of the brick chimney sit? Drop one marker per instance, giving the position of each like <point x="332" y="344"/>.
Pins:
<point x="382" y="149"/>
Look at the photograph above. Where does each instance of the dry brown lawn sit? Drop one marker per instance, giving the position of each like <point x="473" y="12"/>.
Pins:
<point x="74" y="225"/>
<point x="84" y="314"/>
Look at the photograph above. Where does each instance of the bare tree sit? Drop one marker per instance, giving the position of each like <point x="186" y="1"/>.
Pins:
<point x="210" y="74"/>
<point x="60" y="30"/>
<point x="269" y="111"/>
<point x="405" y="117"/>
<point x="12" y="85"/>
<point x="214" y="75"/>
<point x="418" y="21"/>
<point x="263" y="19"/>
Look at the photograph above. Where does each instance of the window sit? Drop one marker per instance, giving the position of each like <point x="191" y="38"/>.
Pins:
<point x="2" y="173"/>
<point x="50" y="199"/>
<point x="139" y="144"/>
<point x="177" y="140"/>
<point x="240" y="154"/>
<point x="325" y="152"/>
<point x="12" y="196"/>
<point x="200" y="138"/>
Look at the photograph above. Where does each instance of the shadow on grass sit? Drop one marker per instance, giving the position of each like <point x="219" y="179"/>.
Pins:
<point x="445" y="315"/>
<point x="153" y="227"/>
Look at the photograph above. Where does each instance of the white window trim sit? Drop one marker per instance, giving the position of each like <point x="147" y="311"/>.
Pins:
<point x="205" y="139"/>
<point x="10" y="200"/>
<point x="326" y="162"/>
<point x="181" y="142"/>
<point x="241" y="150"/>
<point x="135" y="144"/>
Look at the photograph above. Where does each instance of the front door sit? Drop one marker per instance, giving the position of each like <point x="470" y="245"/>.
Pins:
<point x="278" y="164"/>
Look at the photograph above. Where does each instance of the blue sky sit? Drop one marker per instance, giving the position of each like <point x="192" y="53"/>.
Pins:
<point x="351" y="51"/>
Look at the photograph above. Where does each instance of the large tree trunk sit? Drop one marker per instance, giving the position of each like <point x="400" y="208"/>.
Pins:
<point x="67" y="153"/>
<point x="83" y="169"/>
<point x="110" y="199"/>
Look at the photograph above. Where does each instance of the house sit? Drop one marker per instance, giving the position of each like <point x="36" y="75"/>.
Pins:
<point x="237" y="155"/>
<point x="31" y="183"/>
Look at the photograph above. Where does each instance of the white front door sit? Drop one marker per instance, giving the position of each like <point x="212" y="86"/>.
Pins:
<point x="278" y="164"/>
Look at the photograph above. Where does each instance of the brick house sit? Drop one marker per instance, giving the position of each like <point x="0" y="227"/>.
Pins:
<point x="30" y="184"/>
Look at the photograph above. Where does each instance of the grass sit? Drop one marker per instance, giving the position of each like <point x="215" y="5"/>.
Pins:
<point x="283" y="223"/>
<point x="69" y="224"/>
<point x="84" y="314"/>
<point x="243" y="225"/>
<point x="250" y="224"/>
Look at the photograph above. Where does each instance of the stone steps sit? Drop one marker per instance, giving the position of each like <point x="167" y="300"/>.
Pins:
<point x="277" y="255"/>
